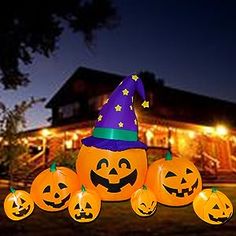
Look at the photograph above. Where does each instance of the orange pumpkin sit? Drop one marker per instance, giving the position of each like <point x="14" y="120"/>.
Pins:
<point x="213" y="206"/>
<point x="84" y="205"/>
<point x="114" y="175"/>
<point x="175" y="181"/>
<point x="143" y="202"/>
<point x="18" y="204"/>
<point x="51" y="190"/>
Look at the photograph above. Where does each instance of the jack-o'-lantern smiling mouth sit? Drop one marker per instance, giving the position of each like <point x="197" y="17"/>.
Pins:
<point x="219" y="219"/>
<point x="57" y="205"/>
<point x="22" y="212"/>
<point x="83" y="215"/>
<point x="149" y="212"/>
<point x="113" y="188"/>
<point x="187" y="191"/>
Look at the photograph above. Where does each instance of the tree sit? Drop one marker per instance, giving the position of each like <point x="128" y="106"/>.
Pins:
<point x="34" y="26"/>
<point x="12" y="121"/>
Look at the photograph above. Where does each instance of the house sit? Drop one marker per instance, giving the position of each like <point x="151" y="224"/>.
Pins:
<point x="200" y="128"/>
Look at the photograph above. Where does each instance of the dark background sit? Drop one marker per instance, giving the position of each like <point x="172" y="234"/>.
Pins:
<point x="188" y="43"/>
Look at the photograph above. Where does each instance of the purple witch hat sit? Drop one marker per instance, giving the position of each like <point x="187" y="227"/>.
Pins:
<point x="116" y="128"/>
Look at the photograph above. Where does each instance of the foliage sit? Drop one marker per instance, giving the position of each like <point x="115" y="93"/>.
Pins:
<point x="28" y="27"/>
<point x="12" y="121"/>
<point x="66" y="158"/>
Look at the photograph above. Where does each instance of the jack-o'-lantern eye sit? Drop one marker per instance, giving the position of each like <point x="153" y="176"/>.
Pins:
<point x="125" y="162"/>
<point x="170" y="174"/>
<point x="188" y="171"/>
<point x="77" y="206"/>
<point x="47" y="189"/>
<point x="88" y="205"/>
<point x="227" y="206"/>
<point x="103" y="161"/>
<point x="22" y="201"/>
<point x="216" y="207"/>
<point x="143" y="204"/>
<point x="14" y="205"/>
<point x="62" y="186"/>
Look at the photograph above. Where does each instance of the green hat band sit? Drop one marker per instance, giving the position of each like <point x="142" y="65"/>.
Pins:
<point x="115" y="134"/>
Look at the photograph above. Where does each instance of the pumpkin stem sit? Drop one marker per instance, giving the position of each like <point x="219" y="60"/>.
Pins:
<point x="12" y="190"/>
<point x="53" y="167"/>
<point x="168" y="156"/>
<point x="214" y="189"/>
<point x="83" y="188"/>
<point x="144" y="187"/>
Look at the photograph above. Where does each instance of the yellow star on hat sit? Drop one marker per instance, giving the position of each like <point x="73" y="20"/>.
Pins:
<point x="134" y="77"/>
<point x="125" y="92"/>
<point x="145" y="104"/>
<point x="100" y="118"/>
<point x="121" y="124"/>
<point x="118" y="107"/>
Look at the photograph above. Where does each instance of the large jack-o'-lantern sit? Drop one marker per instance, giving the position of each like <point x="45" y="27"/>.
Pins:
<point x="175" y="181"/>
<point x="213" y="206"/>
<point x="112" y="161"/>
<point x="115" y="175"/>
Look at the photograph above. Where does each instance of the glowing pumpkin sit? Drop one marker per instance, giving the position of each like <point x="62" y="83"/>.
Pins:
<point x="18" y="204"/>
<point x="175" y="181"/>
<point x="51" y="190"/>
<point x="84" y="205"/>
<point x="213" y="206"/>
<point x="114" y="175"/>
<point x="143" y="202"/>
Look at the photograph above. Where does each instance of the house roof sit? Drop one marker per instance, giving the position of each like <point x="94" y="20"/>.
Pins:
<point x="166" y="102"/>
<point x="78" y="81"/>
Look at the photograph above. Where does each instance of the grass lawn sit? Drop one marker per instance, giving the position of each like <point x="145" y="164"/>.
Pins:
<point x="118" y="219"/>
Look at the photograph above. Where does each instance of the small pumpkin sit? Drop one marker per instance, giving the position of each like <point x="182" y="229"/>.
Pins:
<point x="143" y="202"/>
<point x="175" y="181"/>
<point x="213" y="206"/>
<point x="51" y="190"/>
<point x="115" y="175"/>
<point x="84" y="205"/>
<point x="18" y="204"/>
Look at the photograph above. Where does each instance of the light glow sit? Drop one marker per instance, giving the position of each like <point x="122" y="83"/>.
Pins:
<point x="221" y="130"/>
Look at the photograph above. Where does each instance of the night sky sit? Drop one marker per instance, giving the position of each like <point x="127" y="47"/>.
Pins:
<point x="189" y="44"/>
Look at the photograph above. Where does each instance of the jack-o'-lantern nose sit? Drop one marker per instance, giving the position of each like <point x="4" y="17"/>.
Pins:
<point x="223" y="213"/>
<point x="56" y="195"/>
<point x="113" y="172"/>
<point x="183" y="181"/>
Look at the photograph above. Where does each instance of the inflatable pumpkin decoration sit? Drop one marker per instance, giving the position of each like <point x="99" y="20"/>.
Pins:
<point x="175" y="181"/>
<point x="143" y="202"/>
<point x="51" y="190"/>
<point x="112" y="161"/>
<point x="18" y="204"/>
<point x="84" y="205"/>
<point x="213" y="206"/>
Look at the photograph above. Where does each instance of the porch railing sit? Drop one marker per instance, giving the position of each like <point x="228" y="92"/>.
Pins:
<point x="210" y="164"/>
<point x="207" y="164"/>
<point x="233" y="161"/>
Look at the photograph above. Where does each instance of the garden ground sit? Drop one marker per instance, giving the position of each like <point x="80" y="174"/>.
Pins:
<point x="118" y="219"/>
